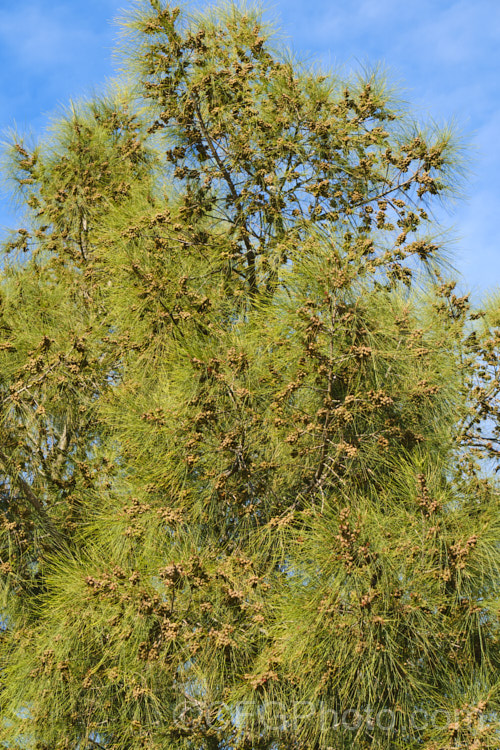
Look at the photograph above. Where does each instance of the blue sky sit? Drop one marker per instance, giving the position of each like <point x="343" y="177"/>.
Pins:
<point x="443" y="55"/>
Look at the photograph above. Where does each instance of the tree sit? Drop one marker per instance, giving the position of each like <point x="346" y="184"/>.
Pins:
<point x="249" y="430"/>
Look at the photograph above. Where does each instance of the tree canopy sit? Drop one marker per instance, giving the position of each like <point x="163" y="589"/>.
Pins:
<point x="249" y="429"/>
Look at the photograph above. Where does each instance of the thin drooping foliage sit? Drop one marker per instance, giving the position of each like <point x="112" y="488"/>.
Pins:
<point x="249" y="430"/>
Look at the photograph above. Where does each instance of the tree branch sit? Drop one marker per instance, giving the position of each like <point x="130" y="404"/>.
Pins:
<point x="36" y="504"/>
<point x="250" y="254"/>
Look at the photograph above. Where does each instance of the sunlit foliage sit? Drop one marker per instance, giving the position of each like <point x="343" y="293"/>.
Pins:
<point x="249" y="429"/>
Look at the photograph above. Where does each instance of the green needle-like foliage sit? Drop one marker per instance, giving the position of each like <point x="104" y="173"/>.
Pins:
<point x="248" y="430"/>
